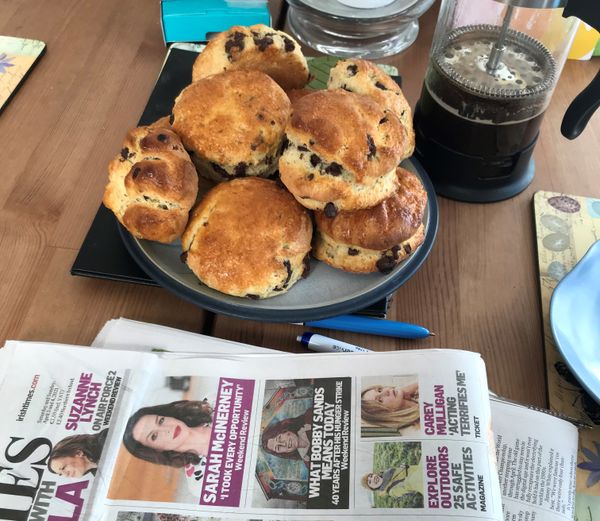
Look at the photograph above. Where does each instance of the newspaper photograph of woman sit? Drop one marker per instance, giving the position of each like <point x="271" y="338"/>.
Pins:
<point x="304" y="444"/>
<point x="395" y="479"/>
<point x="165" y="443"/>
<point x="78" y="455"/>
<point x="389" y="406"/>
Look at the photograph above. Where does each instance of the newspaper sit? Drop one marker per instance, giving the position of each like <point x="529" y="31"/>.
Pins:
<point x="96" y="434"/>
<point x="536" y="451"/>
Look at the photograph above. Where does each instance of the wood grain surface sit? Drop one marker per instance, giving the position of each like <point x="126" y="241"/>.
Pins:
<point x="478" y="290"/>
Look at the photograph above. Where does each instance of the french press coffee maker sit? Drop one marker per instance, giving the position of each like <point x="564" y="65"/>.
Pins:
<point x="492" y="70"/>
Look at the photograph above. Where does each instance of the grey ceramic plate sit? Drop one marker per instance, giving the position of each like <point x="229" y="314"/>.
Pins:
<point x="325" y="292"/>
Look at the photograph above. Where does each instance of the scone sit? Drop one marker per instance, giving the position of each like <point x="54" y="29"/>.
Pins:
<point x="152" y="184"/>
<point x="342" y="151"/>
<point x="378" y="238"/>
<point x="248" y="238"/>
<point x="232" y="124"/>
<point x="364" y="77"/>
<point x="258" y="48"/>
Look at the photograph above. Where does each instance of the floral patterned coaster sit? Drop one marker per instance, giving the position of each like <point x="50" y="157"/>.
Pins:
<point x="566" y="226"/>
<point x="17" y="57"/>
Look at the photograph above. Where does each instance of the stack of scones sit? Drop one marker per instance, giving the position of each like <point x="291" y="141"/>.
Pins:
<point x="291" y="170"/>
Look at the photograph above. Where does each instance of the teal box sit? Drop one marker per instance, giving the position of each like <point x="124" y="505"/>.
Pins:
<point x="198" y="20"/>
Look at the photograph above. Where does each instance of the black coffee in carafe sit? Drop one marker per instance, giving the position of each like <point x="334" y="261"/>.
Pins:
<point x="483" y="100"/>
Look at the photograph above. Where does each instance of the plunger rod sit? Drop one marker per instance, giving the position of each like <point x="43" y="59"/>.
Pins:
<point x="498" y="48"/>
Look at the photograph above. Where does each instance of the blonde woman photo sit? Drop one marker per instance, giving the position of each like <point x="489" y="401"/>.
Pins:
<point x="390" y="408"/>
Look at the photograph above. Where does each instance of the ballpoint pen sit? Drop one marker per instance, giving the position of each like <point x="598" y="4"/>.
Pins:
<point x="373" y="326"/>
<point x="324" y="344"/>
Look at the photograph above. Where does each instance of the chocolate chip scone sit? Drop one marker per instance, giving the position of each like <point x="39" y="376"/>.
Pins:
<point x="248" y="238"/>
<point x="259" y="48"/>
<point x="232" y="124"/>
<point x="364" y="77"/>
<point x="152" y="184"/>
<point x="342" y="151"/>
<point x="378" y="238"/>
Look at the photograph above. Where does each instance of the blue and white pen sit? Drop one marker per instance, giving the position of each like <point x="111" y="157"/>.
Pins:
<point x="323" y="344"/>
<point x="372" y="326"/>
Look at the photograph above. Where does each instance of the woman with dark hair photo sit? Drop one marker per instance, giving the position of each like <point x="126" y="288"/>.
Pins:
<point x="175" y="434"/>
<point x="289" y="438"/>
<point x="77" y="455"/>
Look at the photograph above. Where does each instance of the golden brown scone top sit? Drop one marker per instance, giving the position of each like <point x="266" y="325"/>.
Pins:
<point x="389" y="223"/>
<point x="259" y="48"/>
<point x="256" y="223"/>
<point x="232" y="117"/>
<point x="349" y="129"/>
<point x="152" y="184"/>
<point x="365" y="77"/>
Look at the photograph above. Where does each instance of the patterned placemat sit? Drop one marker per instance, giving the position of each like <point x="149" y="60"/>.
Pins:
<point x="17" y="57"/>
<point x="566" y="227"/>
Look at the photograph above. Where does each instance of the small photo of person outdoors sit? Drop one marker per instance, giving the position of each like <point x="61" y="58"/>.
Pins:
<point x="395" y="479"/>
<point x="389" y="406"/>
<point x="78" y="455"/>
<point x="283" y="458"/>
<point x="165" y="443"/>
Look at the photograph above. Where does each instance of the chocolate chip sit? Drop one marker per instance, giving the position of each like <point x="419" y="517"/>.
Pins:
<point x="381" y="86"/>
<point x="263" y="43"/>
<point x="330" y="210"/>
<point x="288" y="44"/>
<point x="220" y="170"/>
<point x="395" y="250"/>
<point x="260" y="117"/>
<point x="353" y="252"/>
<point x="352" y="69"/>
<point x="285" y="143"/>
<point x="183" y="257"/>
<point x="288" y="267"/>
<point x="171" y="119"/>
<point x="251" y="296"/>
<point x="345" y="87"/>
<point x="314" y="159"/>
<point x="136" y="172"/>
<point x="311" y="142"/>
<point x="310" y="177"/>
<point x="302" y="148"/>
<point x="334" y="169"/>
<point x="235" y="41"/>
<point x="383" y="120"/>
<point x="161" y="137"/>
<point x="125" y="153"/>
<point x="272" y="122"/>
<point x="372" y="147"/>
<point x="268" y="160"/>
<point x="305" y="266"/>
<point x="240" y="169"/>
<point x="408" y="249"/>
<point x="385" y="264"/>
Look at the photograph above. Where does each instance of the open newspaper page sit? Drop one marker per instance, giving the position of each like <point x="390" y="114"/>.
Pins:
<point x="536" y="455"/>
<point x="60" y="410"/>
<point x="313" y="437"/>
<point x="536" y="452"/>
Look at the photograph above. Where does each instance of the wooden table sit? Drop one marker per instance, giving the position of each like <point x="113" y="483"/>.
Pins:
<point x="478" y="289"/>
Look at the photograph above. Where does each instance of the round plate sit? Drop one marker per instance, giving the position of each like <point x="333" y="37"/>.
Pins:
<point x="325" y="292"/>
<point x="574" y="312"/>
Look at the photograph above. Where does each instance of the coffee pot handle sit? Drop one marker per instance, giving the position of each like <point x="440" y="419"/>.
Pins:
<point x="585" y="104"/>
